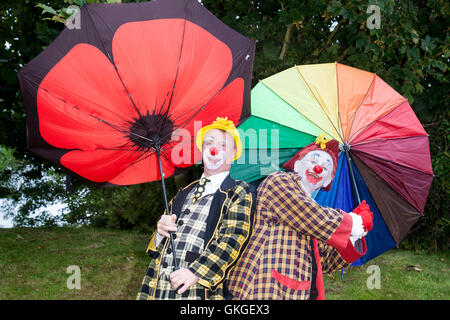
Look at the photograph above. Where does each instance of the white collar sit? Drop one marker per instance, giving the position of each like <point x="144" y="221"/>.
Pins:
<point x="214" y="182"/>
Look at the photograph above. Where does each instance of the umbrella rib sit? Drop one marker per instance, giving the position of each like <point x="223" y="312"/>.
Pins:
<point x="189" y="119"/>
<point x="196" y="113"/>
<point x="143" y="157"/>
<point x="361" y="130"/>
<point x="352" y="118"/>
<point x="101" y="120"/>
<point x="122" y="130"/>
<point x="117" y="70"/>
<point x="117" y="149"/>
<point x="315" y="98"/>
<point x="384" y="139"/>
<point x="178" y="65"/>
<point x="166" y="113"/>
<point x="316" y="125"/>
<point x="390" y="161"/>
<point x="338" y="106"/>
<point x="72" y="93"/>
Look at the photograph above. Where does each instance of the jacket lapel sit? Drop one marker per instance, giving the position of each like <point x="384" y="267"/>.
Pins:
<point x="180" y="198"/>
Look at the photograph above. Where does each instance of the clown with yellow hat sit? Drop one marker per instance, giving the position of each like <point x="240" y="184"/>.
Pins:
<point x="213" y="203"/>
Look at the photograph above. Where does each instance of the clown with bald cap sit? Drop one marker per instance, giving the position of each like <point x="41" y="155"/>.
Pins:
<point x="295" y="240"/>
<point x="211" y="221"/>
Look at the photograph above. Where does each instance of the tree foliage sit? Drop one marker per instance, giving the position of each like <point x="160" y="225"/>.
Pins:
<point x="409" y="50"/>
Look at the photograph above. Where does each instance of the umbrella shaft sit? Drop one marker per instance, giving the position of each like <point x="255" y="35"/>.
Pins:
<point x="352" y="175"/>
<point x="172" y="243"/>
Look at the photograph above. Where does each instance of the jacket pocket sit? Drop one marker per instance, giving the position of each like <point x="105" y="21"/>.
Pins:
<point x="289" y="282"/>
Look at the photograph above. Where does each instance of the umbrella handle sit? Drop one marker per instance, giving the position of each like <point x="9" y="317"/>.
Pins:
<point x="172" y="243"/>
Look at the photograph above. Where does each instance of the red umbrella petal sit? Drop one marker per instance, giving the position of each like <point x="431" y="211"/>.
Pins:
<point x="380" y="100"/>
<point x="399" y="123"/>
<point x="147" y="55"/>
<point x="225" y="104"/>
<point x="410" y="152"/>
<point x="98" y="166"/>
<point x="143" y="171"/>
<point x="78" y="91"/>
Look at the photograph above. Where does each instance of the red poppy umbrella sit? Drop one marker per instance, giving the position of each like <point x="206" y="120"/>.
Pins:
<point x="116" y="101"/>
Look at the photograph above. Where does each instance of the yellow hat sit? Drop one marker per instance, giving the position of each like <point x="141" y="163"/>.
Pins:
<point x="221" y="124"/>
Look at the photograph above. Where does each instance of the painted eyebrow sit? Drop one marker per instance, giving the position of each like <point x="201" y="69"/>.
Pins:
<point x="212" y="139"/>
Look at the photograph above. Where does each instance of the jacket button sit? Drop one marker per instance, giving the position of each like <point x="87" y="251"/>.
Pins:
<point x="180" y="223"/>
<point x="165" y="264"/>
<point x="187" y="211"/>
<point x="151" y="284"/>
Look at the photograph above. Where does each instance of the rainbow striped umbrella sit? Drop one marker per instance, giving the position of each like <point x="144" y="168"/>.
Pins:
<point x="384" y="158"/>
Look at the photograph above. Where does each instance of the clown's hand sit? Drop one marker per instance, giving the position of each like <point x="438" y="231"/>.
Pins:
<point x="362" y="221"/>
<point x="357" y="228"/>
<point x="363" y="210"/>
<point x="165" y="225"/>
<point x="182" y="279"/>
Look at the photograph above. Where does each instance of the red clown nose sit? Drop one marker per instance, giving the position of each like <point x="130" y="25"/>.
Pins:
<point x="213" y="151"/>
<point x="317" y="169"/>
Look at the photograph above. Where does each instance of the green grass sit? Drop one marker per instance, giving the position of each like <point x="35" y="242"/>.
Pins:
<point x="34" y="261"/>
<point x="404" y="275"/>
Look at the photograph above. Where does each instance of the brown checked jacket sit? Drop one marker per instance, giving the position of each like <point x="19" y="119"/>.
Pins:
<point x="294" y="241"/>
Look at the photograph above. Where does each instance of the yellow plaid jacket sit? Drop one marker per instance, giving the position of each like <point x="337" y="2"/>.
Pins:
<point x="228" y="230"/>
<point x="289" y="227"/>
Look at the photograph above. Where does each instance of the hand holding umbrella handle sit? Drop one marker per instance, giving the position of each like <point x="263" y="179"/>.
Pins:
<point x="172" y="243"/>
<point x="363" y="210"/>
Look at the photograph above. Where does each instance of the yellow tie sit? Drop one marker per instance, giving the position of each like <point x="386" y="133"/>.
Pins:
<point x="200" y="189"/>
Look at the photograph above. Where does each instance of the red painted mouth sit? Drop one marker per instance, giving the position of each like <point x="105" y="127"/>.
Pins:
<point x="312" y="177"/>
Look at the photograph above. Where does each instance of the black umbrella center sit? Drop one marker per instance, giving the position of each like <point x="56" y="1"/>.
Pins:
<point x="151" y="131"/>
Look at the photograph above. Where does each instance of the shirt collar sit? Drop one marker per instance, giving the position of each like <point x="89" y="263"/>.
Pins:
<point x="217" y="179"/>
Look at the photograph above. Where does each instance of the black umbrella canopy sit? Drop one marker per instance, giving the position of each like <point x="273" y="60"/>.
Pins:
<point x="103" y="98"/>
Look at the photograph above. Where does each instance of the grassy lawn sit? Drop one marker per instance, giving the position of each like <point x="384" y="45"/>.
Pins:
<point x="34" y="261"/>
<point x="403" y="275"/>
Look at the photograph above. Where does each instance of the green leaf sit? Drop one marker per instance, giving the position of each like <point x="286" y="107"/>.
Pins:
<point x="79" y="3"/>
<point x="419" y="88"/>
<point x="427" y="44"/>
<point x="46" y="9"/>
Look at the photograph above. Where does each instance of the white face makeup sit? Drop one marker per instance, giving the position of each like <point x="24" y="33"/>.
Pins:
<point x="218" y="151"/>
<point x="213" y="162"/>
<point x="315" y="169"/>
